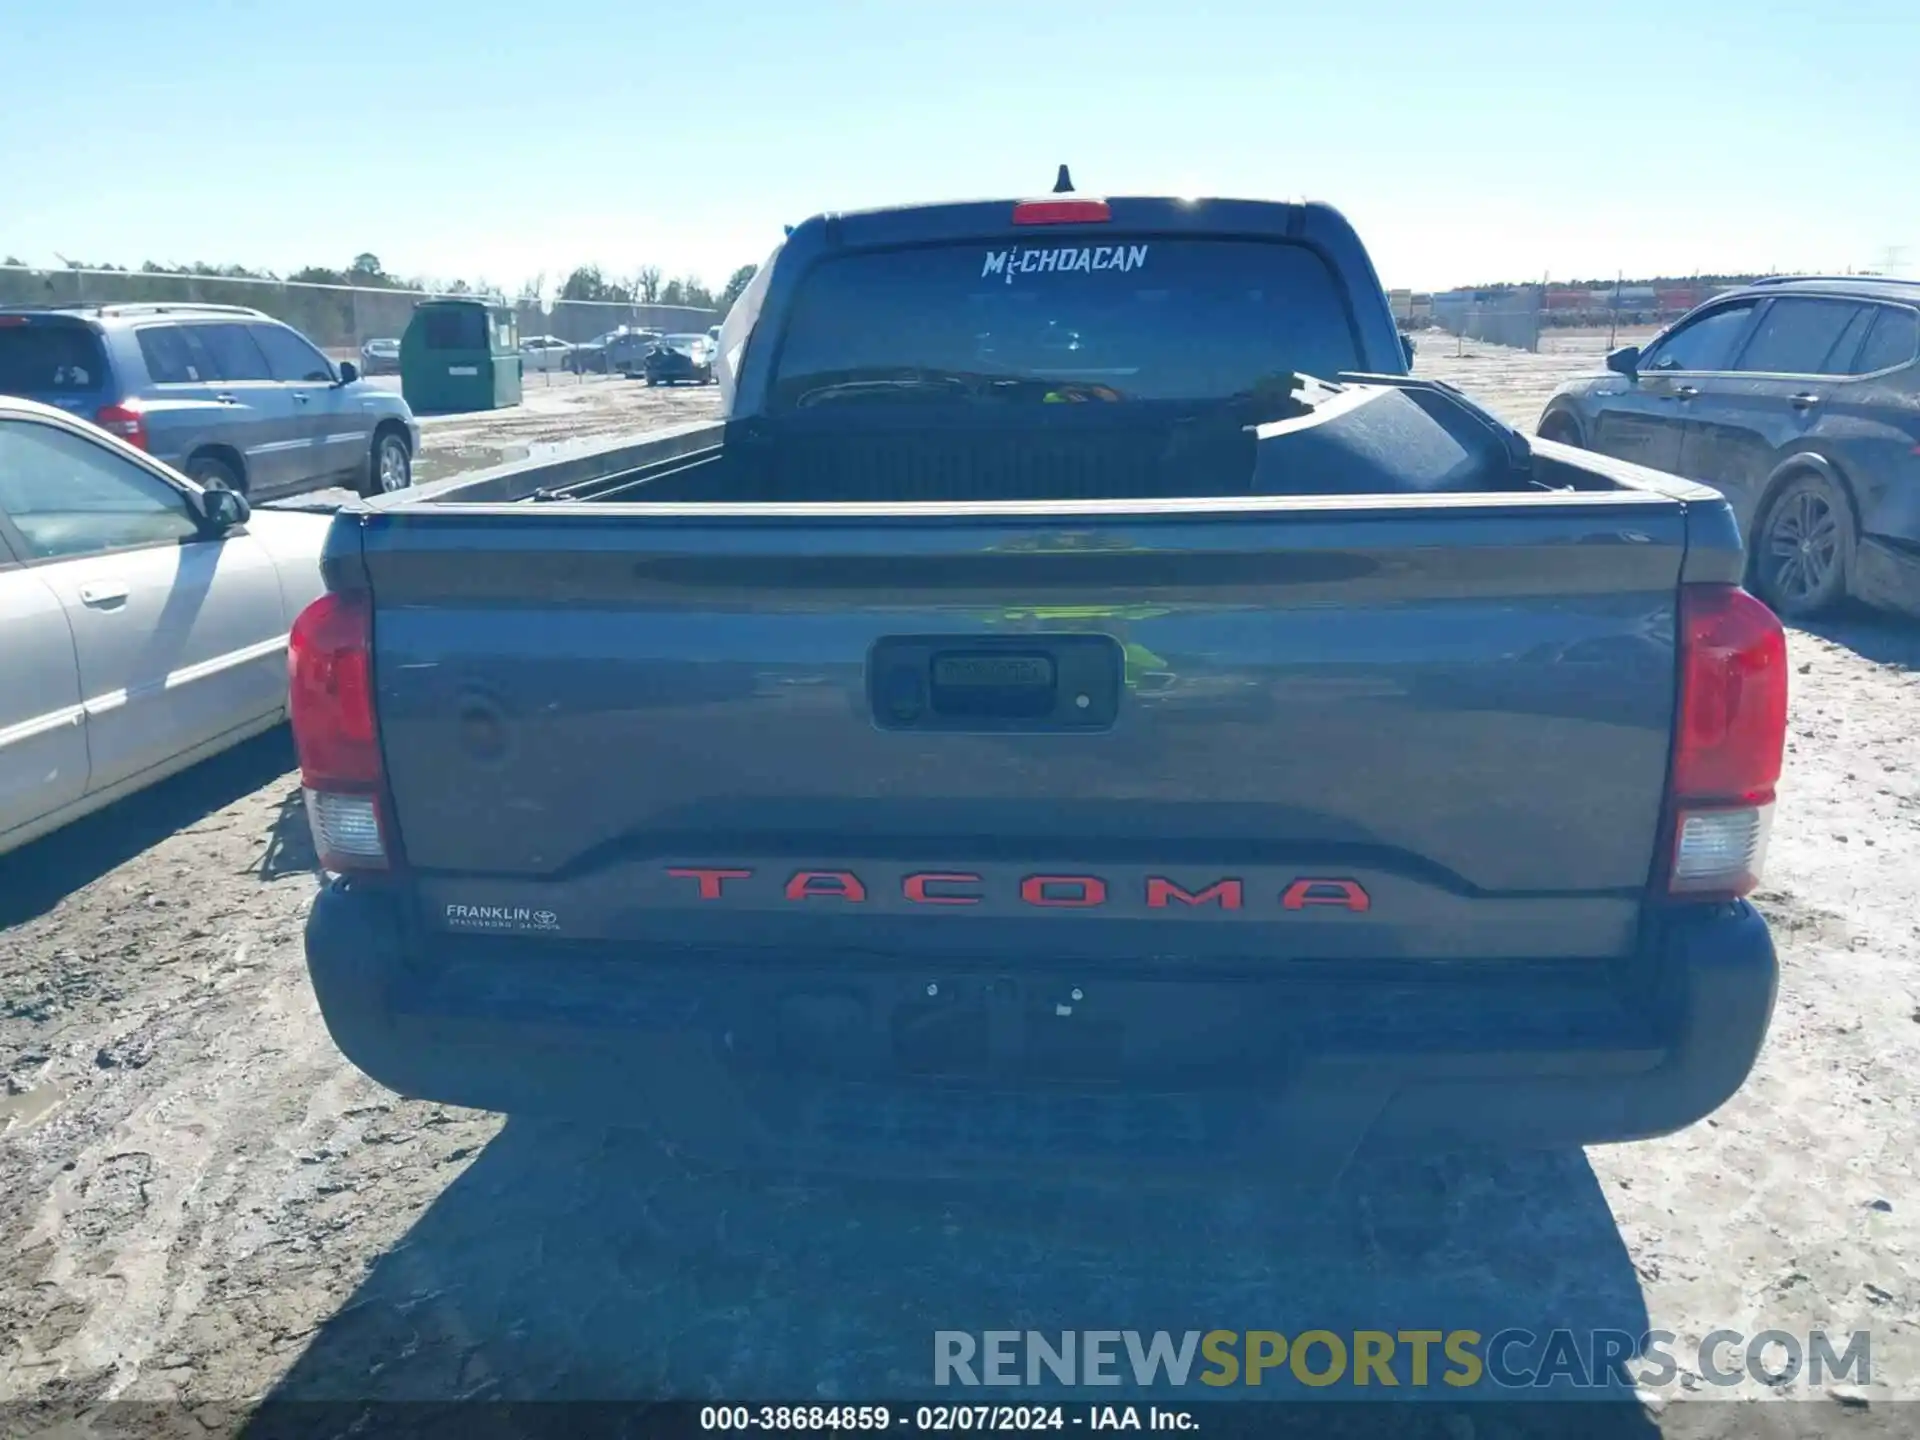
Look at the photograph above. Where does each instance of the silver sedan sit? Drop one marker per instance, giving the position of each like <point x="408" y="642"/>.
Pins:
<point x="143" y="619"/>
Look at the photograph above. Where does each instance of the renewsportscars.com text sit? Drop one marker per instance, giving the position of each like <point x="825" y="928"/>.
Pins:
<point x="1461" y="1359"/>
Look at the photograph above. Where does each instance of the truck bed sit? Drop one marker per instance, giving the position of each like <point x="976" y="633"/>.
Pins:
<point x="1369" y="435"/>
<point x="1460" y="703"/>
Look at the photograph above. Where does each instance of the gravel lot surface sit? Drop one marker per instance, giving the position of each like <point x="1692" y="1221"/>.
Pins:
<point x="557" y="410"/>
<point x="201" y="1202"/>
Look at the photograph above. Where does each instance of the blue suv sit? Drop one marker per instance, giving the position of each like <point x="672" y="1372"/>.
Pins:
<point x="228" y="395"/>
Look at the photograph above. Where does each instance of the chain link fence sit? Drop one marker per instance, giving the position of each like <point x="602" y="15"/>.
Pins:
<point x="342" y="320"/>
<point x="1509" y="317"/>
<point x="1521" y="316"/>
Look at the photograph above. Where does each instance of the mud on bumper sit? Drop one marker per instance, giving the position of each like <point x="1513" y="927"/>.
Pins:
<point x="903" y="1067"/>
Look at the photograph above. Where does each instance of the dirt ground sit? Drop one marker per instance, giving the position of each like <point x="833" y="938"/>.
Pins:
<point x="556" y="410"/>
<point x="202" y="1203"/>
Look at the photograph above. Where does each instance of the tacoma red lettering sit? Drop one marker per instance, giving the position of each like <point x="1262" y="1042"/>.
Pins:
<point x="914" y="887"/>
<point x="710" y="880"/>
<point x="1090" y="890"/>
<point x="1227" y="893"/>
<point x="1345" y="893"/>
<point x="806" y="885"/>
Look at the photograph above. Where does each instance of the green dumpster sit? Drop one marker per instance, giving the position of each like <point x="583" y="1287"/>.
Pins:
<point x="460" y="354"/>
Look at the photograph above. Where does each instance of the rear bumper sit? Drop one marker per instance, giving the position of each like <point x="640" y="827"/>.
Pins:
<point x="796" y="1063"/>
<point x="1886" y="574"/>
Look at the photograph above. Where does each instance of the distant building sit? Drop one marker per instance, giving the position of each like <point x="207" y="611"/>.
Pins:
<point x="1411" y="306"/>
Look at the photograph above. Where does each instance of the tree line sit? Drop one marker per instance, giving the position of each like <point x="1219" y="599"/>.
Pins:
<point x="646" y="286"/>
<point x="371" y="301"/>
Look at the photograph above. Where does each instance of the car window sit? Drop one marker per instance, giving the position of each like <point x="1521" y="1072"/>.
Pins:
<point x="41" y="358"/>
<point x="1125" y="319"/>
<point x="1894" y="340"/>
<point x="1840" y="359"/>
<point x="1796" y="336"/>
<point x="68" y="496"/>
<point x="174" y="355"/>
<point x="233" y="352"/>
<point x="1703" y="344"/>
<point x="289" y="357"/>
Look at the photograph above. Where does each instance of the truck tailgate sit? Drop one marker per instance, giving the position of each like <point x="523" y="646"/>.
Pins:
<point x="1179" y="732"/>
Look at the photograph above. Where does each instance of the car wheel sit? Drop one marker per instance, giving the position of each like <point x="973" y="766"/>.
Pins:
<point x="211" y="473"/>
<point x="391" y="467"/>
<point x="1561" y="427"/>
<point x="1803" y="549"/>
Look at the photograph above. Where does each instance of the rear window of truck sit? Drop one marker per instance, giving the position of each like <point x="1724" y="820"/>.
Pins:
<point x="42" y="358"/>
<point x="1062" y="321"/>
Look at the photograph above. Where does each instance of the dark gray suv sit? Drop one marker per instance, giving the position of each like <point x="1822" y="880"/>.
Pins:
<point x="1799" y="399"/>
<point x="226" y="394"/>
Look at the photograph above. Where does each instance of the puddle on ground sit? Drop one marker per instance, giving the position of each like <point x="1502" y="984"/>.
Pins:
<point x="30" y="1107"/>
<point x="445" y="461"/>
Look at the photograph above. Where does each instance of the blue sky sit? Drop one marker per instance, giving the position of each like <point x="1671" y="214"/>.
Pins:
<point x="1469" y="142"/>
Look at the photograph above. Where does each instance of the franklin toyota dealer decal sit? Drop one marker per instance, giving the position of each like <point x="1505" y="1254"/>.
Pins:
<point x="500" y="917"/>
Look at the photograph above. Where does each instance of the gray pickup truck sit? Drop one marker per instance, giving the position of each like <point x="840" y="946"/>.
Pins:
<point x="1084" y="705"/>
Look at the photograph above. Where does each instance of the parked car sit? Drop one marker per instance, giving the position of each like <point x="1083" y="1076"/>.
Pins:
<point x="544" y="352"/>
<point x="225" y="394"/>
<point x="589" y="357"/>
<point x="1418" y="836"/>
<point x="380" y="357"/>
<point x="627" y="351"/>
<point x="143" y="619"/>
<point x="677" y="358"/>
<point x="1799" y="400"/>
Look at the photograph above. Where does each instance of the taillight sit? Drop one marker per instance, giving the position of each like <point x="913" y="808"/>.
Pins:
<point x="126" y="421"/>
<point x="330" y="702"/>
<point x="1731" y="736"/>
<point x="1060" y="212"/>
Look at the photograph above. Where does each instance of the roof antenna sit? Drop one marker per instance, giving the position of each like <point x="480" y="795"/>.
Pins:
<point x="1063" y="185"/>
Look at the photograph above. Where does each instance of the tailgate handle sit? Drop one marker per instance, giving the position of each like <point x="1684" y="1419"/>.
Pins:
<point x="1006" y="684"/>
<point x="1032" y="682"/>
